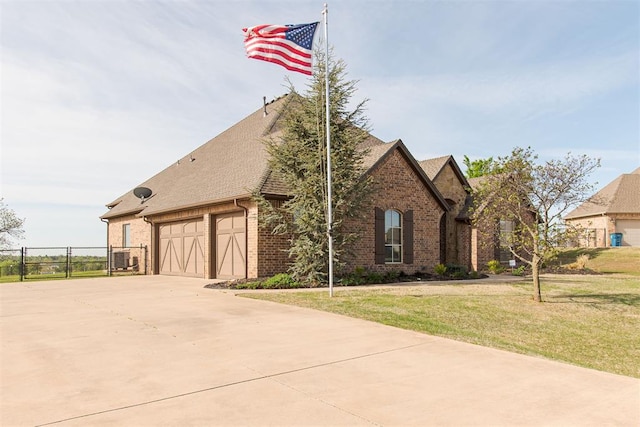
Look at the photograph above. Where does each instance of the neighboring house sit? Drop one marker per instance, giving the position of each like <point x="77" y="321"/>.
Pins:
<point x="455" y="225"/>
<point x="614" y="209"/>
<point x="199" y="219"/>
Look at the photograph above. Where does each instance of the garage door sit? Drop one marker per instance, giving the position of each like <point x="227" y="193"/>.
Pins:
<point x="231" y="238"/>
<point x="181" y="248"/>
<point x="630" y="230"/>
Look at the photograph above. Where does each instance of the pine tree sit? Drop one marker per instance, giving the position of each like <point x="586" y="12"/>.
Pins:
<point x="298" y="158"/>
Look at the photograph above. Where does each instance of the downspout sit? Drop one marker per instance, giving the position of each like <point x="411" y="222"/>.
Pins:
<point x="152" y="234"/>
<point x="106" y="221"/>
<point x="246" y="240"/>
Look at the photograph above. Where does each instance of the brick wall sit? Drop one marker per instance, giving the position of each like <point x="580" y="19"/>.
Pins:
<point x="485" y="240"/>
<point x="271" y="250"/>
<point x="140" y="234"/>
<point x="483" y="248"/>
<point x="397" y="186"/>
<point x="458" y="243"/>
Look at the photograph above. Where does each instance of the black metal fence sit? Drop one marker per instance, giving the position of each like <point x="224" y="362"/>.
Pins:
<point x="40" y="263"/>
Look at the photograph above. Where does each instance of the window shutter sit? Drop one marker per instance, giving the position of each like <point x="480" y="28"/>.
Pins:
<point x="407" y="237"/>
<point x="379" y="258"/>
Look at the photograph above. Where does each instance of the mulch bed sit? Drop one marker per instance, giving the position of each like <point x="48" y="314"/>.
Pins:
<point x="423" y="277"/>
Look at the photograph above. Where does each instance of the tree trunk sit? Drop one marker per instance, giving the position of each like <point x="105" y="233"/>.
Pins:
<point x="535" y="272"/>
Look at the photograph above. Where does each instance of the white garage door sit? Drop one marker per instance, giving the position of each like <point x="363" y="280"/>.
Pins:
<point x="630" y="229"/>
<point x="181" y="248"/>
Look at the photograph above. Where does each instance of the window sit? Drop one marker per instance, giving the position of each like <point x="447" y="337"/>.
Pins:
<point x="393" y="236"/>
<point x="506" y="239"/>
<point x="126" y="235"/>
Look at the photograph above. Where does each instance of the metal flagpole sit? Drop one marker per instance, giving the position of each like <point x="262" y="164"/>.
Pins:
<point x="325" y="12"/>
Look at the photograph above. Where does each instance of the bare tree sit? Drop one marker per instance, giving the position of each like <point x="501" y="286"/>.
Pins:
<point x="10" y="225"/>
<point x="533" y="198"/>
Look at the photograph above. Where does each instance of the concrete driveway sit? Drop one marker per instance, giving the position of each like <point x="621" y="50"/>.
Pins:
<point x="154" y="350"/>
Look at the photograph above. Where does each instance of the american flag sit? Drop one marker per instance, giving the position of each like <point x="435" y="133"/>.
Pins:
<point x="286" y="45"/>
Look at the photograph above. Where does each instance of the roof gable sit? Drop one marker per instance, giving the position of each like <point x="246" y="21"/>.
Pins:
<point x="378" y="153"/>
<point x="434" y="167"/>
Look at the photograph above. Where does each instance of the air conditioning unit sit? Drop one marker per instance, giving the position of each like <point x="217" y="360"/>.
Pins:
<point x="120" y="260"/>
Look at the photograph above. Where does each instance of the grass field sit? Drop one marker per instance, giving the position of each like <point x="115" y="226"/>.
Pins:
<point x="587" y="320"/>
<point x="61" y="276"/>
<point x="625" y="260"/>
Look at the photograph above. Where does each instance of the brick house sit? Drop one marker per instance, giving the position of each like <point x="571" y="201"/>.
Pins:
<point x="455" y="225"/>
<point x="199" y="219"/>
<point x="613" y="209"/>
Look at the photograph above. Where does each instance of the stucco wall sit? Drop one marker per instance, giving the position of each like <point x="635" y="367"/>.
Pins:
<point x="597" y="229"/>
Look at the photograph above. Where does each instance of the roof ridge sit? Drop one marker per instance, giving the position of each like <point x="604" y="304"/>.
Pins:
<point x="278" y="112"/>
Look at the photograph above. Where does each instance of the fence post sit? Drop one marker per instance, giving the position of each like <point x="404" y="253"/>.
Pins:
<point x="109" y="255"/>
<point x="68" y="269"/>
<point x="21" y="267"/>
<point x="145" y="260"/>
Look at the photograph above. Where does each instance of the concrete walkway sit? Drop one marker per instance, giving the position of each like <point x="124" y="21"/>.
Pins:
<point x="154" y="350"/>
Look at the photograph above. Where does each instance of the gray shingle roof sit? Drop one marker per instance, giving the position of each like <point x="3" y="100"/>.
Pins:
<point x="433" y="167"/>
<point x="229" y="166"/>
<point x="622" y="195"/>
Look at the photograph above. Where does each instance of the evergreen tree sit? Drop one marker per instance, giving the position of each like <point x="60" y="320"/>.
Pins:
<point x="298" y="158"/>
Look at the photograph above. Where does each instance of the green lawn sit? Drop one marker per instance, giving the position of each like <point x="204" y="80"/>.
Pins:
<point x="624" y="260"/>
<point x="591" y="321"/>
<point x="54" y="276"/>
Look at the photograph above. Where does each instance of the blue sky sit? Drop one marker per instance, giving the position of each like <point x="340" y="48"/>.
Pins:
<point x="98" y="96"/>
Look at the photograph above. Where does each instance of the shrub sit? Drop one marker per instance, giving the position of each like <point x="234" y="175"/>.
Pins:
<point x="353" y="280"/>
<point x="248" y="285"/>
<point x="362" y="276"/>
<point x="474" y="275"/>
<point x="460" y="274"/>
<point x="374" y="277"/>
<point x="360" y="271"/>
<point x="391" y="276"/>
<point x="495" y="267"/>
<point x="581" y="261"/>
<point x="519" y="271"/>
<point x="440" y="269"/>
<point x="455" y="268"/>
<point x="280" y="281"/>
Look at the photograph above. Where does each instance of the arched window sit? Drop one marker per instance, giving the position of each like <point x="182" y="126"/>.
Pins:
<point x="393" y="236"/>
